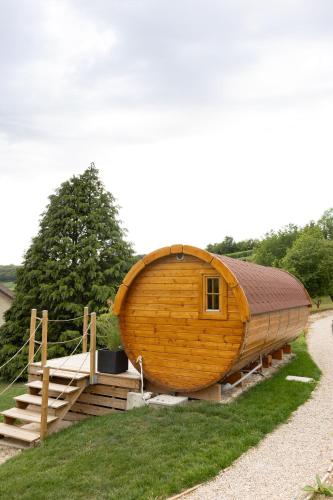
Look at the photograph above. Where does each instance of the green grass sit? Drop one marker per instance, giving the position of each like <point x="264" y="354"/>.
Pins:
<point x="6" y="400"/>
<point x="326" y="304"/>
<point x="244" y="254"/>
<point x="147" y="454"/>
<point x="9" y="284"/>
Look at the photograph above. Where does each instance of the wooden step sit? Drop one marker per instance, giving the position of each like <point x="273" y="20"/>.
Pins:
<point x="66" y="374"/>
<point x="59" y="388"/>
<point x="12" y="431"/>
<point x="31" y="399"/>
<point x="26" y="415"/>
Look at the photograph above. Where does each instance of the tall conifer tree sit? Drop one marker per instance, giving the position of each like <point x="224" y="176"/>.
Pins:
<point x="77" y="259"/>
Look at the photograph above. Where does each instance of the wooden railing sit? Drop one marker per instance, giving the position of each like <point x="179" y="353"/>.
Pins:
<point x="45" y="403"/>
<point x="85" y="329"/>
<point x="93" y="348"/>
<point x="45" y="322"/>
<point x="44" y="355"/>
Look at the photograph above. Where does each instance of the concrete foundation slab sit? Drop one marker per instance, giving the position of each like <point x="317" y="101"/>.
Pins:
<point x="294" y="378"/>
<point x="134" y="399"/>
<point x="166" y="401"/>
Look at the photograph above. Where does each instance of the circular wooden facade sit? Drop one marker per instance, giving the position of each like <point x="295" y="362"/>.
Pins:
<point x="184" y="346"/>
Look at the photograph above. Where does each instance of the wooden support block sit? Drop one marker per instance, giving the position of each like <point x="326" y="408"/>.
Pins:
<point x="278" y="354"/>
<point x="126" y="380"/>
<point x="267" y="361"/>
<point x="89" y="409"/>
<point x="156" y="389"/>
<point x="212" y="393"/>
<point x="102" y="401"/>
<point x="105" y="390"/>
<point x="71" y="416"/>
<point x="286" y="349"/>
<point x="21" y="405"/>
<point x="234" y="377"/>
<point x="251" y="366"/>
<point x="9" y="420"/>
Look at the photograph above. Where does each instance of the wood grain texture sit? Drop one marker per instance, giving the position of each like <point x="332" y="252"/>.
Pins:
<point x="89" y="409"/>
<point x="176" y="250"/>
<point x="160" y="320"/>
<point x="269" y="332"/>
<point x="186" y="349"/>
<point x="103" y="401"/>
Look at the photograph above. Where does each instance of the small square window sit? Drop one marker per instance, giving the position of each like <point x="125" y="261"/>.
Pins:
<point x="212" y="293"/>
<point x="213" y="297"/>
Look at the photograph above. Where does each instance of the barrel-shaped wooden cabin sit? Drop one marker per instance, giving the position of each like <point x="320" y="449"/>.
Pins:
<point x="196" y="317"/>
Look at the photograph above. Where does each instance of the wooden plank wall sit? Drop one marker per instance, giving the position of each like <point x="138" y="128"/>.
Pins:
<point x="100" y="399"/>
<point x="268" y="332"/>
<point x="160" y="320"/>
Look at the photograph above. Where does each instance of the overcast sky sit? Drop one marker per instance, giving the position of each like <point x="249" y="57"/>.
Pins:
<point x="205" y="118"/>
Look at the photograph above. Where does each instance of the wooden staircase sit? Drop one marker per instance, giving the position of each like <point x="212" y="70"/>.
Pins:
<point x="39" y="414"/>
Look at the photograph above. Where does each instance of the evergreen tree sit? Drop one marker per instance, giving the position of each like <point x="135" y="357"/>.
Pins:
<point x="78" y="258"/>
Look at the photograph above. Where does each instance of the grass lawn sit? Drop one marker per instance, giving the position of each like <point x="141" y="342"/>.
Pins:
<point x="147" y="454"/>
<point x="326" y="303"/>
<point x="6" y="400"/>
<point x="9" y="284"/>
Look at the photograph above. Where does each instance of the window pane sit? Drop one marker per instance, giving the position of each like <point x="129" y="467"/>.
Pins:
<point x="212" y="293"/>
<point x="215" y="285"/>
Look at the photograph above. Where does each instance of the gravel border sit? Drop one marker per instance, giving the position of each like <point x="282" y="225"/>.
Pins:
<point x="290" y="457"/>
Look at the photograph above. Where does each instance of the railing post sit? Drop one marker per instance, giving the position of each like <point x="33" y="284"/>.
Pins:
<point x="45" y="400"/>
<point x="93" y="348"/>
<point x="32" y="335"/>
<point x="44" y="337"/>
<point x="85" y="327"/>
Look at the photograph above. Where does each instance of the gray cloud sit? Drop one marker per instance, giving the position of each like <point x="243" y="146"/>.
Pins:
<point x="167" y="55"/>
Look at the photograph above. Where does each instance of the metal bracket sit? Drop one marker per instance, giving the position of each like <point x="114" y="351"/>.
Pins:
<point x="257" y="368"/>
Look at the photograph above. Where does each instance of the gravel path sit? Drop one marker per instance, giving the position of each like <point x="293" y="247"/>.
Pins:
<point x="288" y="458"/>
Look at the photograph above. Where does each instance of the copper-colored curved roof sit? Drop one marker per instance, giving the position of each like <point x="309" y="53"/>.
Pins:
<point x="267" y="288"/>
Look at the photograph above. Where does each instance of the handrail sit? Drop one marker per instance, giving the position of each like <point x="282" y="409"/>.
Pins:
<point x="85" y="328"/>
<point x="93" y="348"/>
<point x="46" y="369"/>
<point x="17" y="376"/>
<point x="32" y="335"/>
<point x="21" y="348"/>
<point x="45" y="318"/>
<point x="45" y="402"/>
<point x="45" y="321"/>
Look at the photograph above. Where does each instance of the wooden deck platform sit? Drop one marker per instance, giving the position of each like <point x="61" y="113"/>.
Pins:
<point x="107" y="395"/>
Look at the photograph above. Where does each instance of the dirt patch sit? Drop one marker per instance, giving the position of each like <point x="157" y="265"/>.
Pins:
<point x="7" y="452"/>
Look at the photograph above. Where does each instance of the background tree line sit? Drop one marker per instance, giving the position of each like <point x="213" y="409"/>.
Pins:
<point x="306" y="252"/>
<point x="8" y="273"/>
